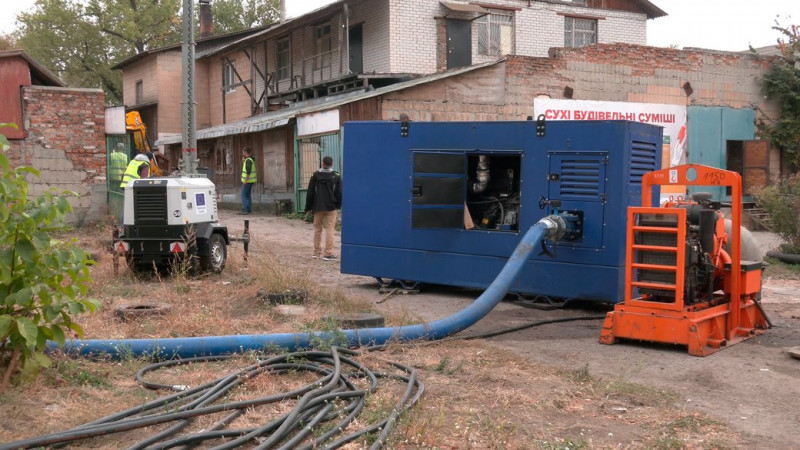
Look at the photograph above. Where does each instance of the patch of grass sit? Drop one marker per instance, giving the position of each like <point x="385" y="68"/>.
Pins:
<point x="781" y="270"/>
<point x="307" y="218"/>
<point x="636" y="394"/>
<point x="445" y="366"/>
<point x="566" y="444"/>
<point x="75" y="373"/>
<point x="326" y="334"/>
<point x="580" y="375"/>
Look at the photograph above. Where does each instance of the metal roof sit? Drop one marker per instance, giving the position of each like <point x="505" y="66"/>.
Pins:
<point x="651" y="9"/>
<point x="279" y="118"/>
<point x="36" y="67"/>
<point x="463" y="7"/>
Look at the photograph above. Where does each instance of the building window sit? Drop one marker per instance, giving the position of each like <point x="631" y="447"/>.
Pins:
<point x="228" y="76"/>
<point x="322" y="46"/>
<point x="579" y="32"/>
<point x="495" y="34"/>
<point x="284" y="58"/>
<point x="139" y="92"/>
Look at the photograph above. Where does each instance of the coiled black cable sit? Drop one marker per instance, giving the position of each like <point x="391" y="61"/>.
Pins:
<point x="334" y="396"/>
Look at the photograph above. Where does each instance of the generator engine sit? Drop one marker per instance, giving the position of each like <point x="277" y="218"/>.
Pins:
<point x="704" y="255"/>
<point x="493" y="191"/>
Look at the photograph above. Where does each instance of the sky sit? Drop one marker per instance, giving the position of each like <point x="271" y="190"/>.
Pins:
<point x="731" y="25"/>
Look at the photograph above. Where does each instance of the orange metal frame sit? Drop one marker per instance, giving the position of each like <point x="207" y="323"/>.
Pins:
<point x="704" y="327"/>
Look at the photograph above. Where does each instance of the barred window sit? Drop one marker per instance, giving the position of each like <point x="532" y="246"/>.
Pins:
<point x="495" y="34"/>
<point x="579" y="32"/>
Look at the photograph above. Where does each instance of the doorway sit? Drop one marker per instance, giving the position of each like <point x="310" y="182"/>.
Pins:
<point x="459" y="43"/>
<point x="356" y="49"/>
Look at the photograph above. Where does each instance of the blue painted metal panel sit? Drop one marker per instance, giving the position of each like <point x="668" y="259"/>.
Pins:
<point x="599" y="167"/>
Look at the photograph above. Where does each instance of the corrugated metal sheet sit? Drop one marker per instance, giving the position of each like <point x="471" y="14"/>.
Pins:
<point x="276" y="119"/>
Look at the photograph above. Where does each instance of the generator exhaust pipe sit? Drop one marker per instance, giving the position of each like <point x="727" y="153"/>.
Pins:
<point x="550" y="227"/>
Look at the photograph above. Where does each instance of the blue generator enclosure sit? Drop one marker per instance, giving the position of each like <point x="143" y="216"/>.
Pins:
<point x="447" y="202"/>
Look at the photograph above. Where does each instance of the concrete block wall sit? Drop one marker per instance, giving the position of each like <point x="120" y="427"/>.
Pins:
<point x="605" y="72"/>
<point x="66" y="143"/>
<point x="624" y="72"/>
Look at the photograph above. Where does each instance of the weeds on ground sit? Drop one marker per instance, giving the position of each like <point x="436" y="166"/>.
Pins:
<point x="781" y="270"/>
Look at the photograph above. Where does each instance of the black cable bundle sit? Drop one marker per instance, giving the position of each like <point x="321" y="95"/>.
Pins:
<point x="315" y="404"/>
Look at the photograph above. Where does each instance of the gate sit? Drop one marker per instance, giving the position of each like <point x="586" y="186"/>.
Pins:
<point x="309" y="152"/>
<point x="116" y="163"/>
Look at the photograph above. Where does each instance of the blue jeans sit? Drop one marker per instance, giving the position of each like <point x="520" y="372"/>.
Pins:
<point x="247" y="199"/>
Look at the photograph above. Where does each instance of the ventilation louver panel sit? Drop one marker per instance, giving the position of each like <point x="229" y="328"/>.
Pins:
<point x="150" y="205"/>
<point x="581" y="177"/>
<point x="643" y="160"/>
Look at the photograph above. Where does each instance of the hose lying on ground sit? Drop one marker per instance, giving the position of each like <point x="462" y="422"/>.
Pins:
<point x="328" y="404"/>
<point x="788" y="258"/>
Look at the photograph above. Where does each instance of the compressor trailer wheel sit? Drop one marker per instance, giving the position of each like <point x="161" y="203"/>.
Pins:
<point x="215" y="256"/>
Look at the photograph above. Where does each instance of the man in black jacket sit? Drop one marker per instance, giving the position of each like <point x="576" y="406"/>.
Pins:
<point x="324" y="197"/>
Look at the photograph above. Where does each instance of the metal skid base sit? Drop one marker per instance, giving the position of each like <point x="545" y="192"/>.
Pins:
<point x="542" y="302"/>
<point x="398" y="286"/>
<point x="703" y="331"/>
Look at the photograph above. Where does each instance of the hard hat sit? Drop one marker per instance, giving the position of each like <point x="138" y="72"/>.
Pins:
<point x="141" y="157"/>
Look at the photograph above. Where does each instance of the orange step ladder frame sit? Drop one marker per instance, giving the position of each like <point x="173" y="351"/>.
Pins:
<point x="703" y="327"/>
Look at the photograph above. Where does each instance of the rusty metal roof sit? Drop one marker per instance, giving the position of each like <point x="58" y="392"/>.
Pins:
<point x="274" y="119"/>
<point x="36" y="67"/>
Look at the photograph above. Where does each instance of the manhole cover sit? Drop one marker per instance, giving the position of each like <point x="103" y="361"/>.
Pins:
<point x="358" y="320"/>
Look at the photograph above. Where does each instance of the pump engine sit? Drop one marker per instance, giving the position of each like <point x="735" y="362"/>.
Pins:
<point x="703" y="249"/>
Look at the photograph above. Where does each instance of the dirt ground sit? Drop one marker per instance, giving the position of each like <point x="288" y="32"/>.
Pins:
<point x="548" y="387"/>
<point x="752" y="387"/>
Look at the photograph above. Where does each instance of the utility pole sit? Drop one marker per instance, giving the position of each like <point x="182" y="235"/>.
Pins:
<point x="189" y="126"/>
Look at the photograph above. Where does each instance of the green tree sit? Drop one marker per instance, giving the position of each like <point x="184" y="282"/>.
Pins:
<point x="234" y="15"/>
<point x="80" y="40"/>
<point x="7" y="42"/>
<point x="781" y="83"/>
<point x="42" y="279"/>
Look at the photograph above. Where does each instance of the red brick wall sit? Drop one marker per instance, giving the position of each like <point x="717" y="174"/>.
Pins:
<point x="72" y="120"/>
<point x="66" y="143"/>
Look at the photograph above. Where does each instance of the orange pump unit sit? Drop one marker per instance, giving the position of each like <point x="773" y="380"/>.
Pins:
<point x="681" y="286"/>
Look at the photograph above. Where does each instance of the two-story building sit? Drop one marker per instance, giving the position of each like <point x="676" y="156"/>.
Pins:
<point x="344" y="49"/>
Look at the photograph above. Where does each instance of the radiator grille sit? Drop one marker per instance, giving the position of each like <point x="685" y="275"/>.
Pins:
<point x="150" y="205"/>
<point x="643" y="160"/>
<point x="581" y="177"/>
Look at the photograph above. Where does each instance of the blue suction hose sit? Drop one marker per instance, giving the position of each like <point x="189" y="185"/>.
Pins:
<point x="553" y="226"/>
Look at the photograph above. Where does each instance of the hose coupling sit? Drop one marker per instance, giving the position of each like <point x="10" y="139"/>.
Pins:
<point x="563" y="226"/>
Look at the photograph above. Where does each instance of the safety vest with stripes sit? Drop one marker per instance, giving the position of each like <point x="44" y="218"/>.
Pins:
<point x="132" y="172"/>
<point x="249" y="178"/>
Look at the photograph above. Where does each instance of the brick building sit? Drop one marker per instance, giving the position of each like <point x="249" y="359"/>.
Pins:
<point x="348" y="48"/>
<point x="61" y="133"/>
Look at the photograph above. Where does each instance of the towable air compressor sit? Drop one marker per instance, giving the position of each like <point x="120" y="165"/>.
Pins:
<point x="170" y="219"/>
<point x="447" y="202"/>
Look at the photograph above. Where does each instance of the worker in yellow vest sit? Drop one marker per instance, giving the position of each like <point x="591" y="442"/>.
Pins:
<point x="138" y="168"/>
<point x="248" y="180"/>
<point x="117" y="163"/>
